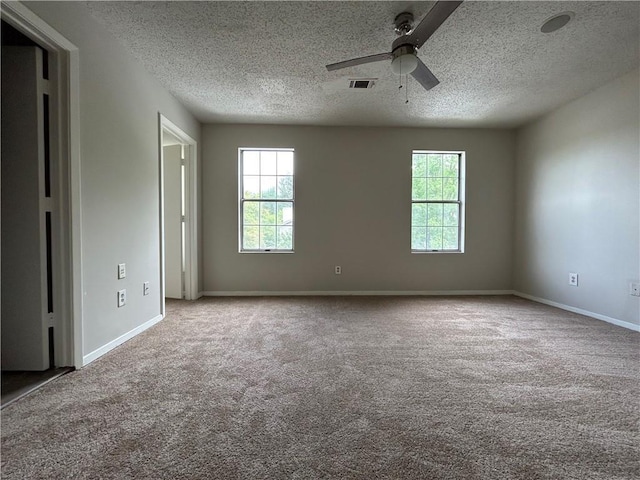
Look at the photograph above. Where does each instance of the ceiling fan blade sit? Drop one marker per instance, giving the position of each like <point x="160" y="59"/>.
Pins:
<point x="359" y="61"/>
<point x="424" y="76"/>
<point x="431" y="22"/>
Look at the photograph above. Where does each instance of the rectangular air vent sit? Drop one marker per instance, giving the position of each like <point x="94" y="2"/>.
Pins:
<point x="361" y="83"/>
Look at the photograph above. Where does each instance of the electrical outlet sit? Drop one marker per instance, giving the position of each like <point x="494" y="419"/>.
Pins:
<point x="338" y="270"/>
<point x="122" y="271"/>
<point x="573" y="279"/>
<point x="122" y="298"/>
<point x="634" y="289"/>
<point x="145" y="288"/>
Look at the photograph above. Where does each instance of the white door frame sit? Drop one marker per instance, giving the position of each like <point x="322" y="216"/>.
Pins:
<point x="64" y="80"/>
<point x="191" y="287"/>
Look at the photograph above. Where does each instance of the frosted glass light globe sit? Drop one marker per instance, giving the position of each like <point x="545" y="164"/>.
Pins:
<point x="404" y="64"/>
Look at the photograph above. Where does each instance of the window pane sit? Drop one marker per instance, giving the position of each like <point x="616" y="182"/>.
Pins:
<point x="267" y="213"/>
<point x="285" y="187"/>
<point x="434" y="165"/>
<point x="434" y="189"/>
<point x="285" y="163"/>
<point x="250" y="162"/>
<point x="419" y="165"/>
<point x="267" y="237"/>
<point x="435" y="180"/>
<point x="450" y="166"/>
<point x="419" y="215"/>
<point x="419" y="189"/>
<point x="268" y="165"/>
<point x="285" y="238"/>
<point x="251" y="213"/>
<point x="450" y="189"/>
<point x="418" y="238"/>
<point x="450" y="238"/>
<point x="434" y="238"/>
<point x="251" y="187"/>
<point x="268" y="187"/>
<point x="251" y="238"/>
<point x="451" y="215"/>
<point x="284" y="213"/>
<point x="434" y="214"/>
<point x="266" y="201"/>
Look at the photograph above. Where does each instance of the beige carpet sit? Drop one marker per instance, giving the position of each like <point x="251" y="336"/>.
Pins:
<point x="343" y="387"/>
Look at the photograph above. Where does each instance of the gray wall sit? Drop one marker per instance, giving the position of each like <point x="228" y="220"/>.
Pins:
<point x="353" y="209"/>
<point x="578" y="202"/>
<point x="119" y="105"/>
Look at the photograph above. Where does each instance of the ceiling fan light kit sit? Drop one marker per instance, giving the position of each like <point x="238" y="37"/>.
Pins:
<point x="404" y="60"/>
<point x="403" y="55"/>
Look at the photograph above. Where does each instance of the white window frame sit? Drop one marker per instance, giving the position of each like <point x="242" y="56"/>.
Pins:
<point x="461" y="199"/>
<point x="241" y="200"/>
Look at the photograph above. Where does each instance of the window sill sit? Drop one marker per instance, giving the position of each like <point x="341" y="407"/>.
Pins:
<point x="419" y="252"/>
<point x="267" y="251"/>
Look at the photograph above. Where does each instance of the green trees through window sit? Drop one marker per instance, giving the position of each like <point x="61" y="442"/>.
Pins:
<point x="435" y="201"/>
<point x="266" y="200"/>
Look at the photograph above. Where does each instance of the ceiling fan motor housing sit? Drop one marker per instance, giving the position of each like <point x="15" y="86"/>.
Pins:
<point x="403" y="23"/>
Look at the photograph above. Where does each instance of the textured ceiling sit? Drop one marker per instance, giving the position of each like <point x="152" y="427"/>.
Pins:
<point x="264" y="62"/>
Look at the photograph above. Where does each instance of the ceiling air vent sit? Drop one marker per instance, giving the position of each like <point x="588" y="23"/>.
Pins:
<point x="362" y="83"/>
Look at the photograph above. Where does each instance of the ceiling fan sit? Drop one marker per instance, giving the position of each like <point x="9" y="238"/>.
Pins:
<point x="404" y="49"/>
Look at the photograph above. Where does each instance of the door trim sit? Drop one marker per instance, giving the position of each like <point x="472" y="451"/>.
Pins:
<point x="191" y="241"/>
<point x="64" y="79"/>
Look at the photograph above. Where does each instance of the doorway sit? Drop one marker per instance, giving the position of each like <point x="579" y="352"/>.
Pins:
<point x="178" y="187"/>
<point x="37" y="304"/>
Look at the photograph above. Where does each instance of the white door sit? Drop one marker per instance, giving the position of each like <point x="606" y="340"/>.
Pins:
<point x="26" y="213"/>
<point x="173" y="221"/>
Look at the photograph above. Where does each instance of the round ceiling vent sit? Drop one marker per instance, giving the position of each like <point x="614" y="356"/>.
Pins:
<point x="556" y="22"/>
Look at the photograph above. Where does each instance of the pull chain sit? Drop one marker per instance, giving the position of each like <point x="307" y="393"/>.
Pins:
<point x="406" y="90"/>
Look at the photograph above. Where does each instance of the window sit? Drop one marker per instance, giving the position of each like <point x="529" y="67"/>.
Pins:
<point x="437" y="210"/>
<point x="266" y="200"/>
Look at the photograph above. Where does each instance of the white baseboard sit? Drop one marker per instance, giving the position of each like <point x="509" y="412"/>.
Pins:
<point x="120" y="340"/>
<point x="331" y="293"/>
<point x="597" y="316"/>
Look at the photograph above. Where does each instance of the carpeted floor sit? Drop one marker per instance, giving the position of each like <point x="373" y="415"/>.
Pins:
<point x="341" y="388"/>
<point x="16" y="385"/>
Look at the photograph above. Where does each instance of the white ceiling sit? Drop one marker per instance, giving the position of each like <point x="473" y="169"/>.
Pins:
<point x="264" y="62"/>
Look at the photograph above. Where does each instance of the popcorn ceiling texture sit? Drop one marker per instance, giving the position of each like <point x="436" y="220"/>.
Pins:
<point x="264" y="62"/>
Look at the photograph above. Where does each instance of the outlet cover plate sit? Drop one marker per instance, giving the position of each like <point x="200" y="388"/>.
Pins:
<point x="122" y="271"/>
<point x="338" y="270"/>
<point x="122" y="298"/>
<point x="573" y="279"/>
<point x="634" y="289"/>
<point x="145" y="288"/>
